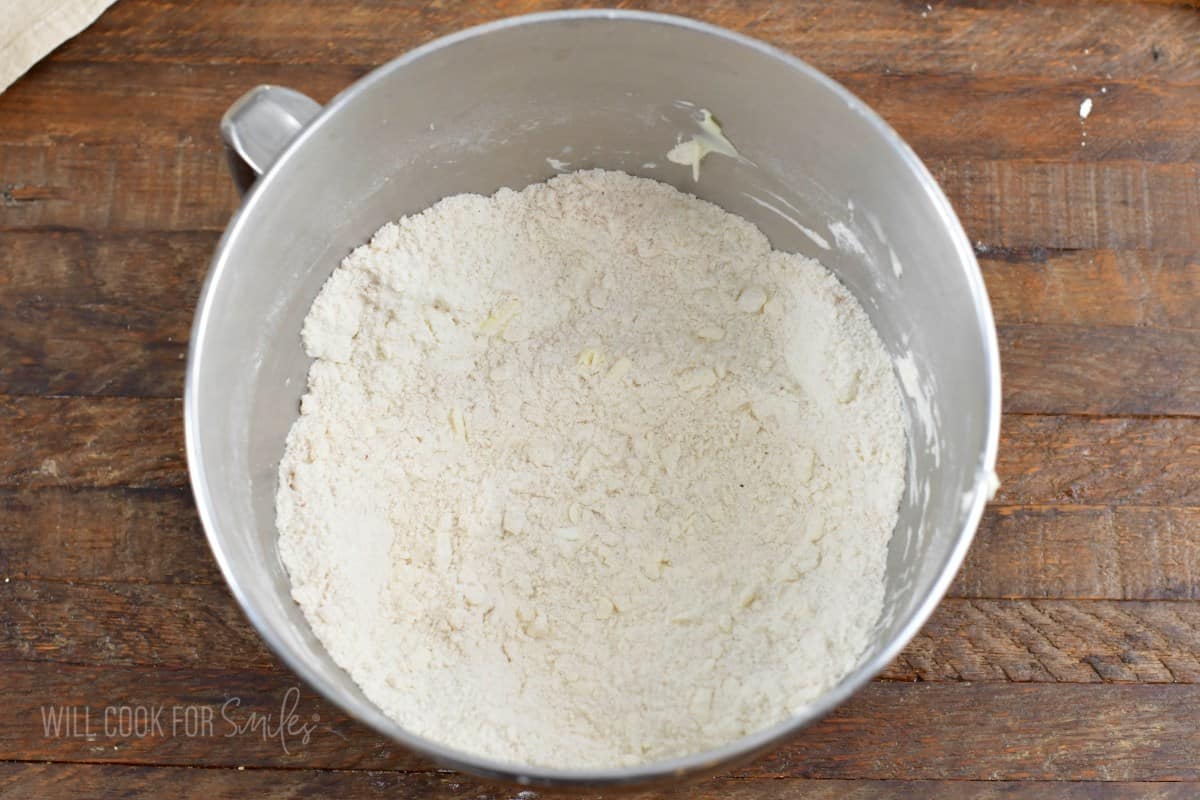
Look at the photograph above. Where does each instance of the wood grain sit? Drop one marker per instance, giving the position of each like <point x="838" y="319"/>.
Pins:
<point x="988" y="731"/>
<point x="1094" y="370"/>
<point x="889" y="731"/>
<point x="129" y="624"/>
<point x="33" y="781"/>
<point x="1075" y="460"/>
<point x="91" y="442"/>
<point x="1119" y="205"/>
<point x="1131" y="121"/>
<point x="98" y="315"/>
<point x="991" y="117"/>
<point x="183" y="102"/>
<point x="119" y="534"/>
<point x="199" y="627"/>
<point x="1055" y="641"/>
<point x="116" y="187"/>
<point x="1102" y="288"/>
<point x="1115" y="40"/>
<point x="1112" y="552"/>
<point x="160" y="270"/>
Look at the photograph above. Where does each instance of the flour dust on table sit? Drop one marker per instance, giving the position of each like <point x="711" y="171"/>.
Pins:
<point x="587" y="475"/>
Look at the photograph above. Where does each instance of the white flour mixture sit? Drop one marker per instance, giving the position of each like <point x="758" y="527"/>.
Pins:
<point x="587" y="475"/>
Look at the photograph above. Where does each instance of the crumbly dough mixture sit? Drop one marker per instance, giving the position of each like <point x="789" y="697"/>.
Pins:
<point x="587" y="475"/>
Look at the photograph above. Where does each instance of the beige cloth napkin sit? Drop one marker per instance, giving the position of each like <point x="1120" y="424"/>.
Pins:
<point x="29" y="29"/>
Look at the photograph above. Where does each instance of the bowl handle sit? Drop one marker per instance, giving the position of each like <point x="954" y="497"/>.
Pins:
<point x="259" y="126"/>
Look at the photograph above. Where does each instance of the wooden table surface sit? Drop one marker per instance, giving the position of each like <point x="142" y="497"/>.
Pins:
<point x="1065" y="661"/>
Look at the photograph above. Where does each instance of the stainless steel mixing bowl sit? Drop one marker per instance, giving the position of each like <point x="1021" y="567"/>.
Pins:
<point x="507" y="104"/>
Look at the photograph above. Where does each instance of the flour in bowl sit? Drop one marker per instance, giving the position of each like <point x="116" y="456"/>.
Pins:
<point x="587" y="475"/>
